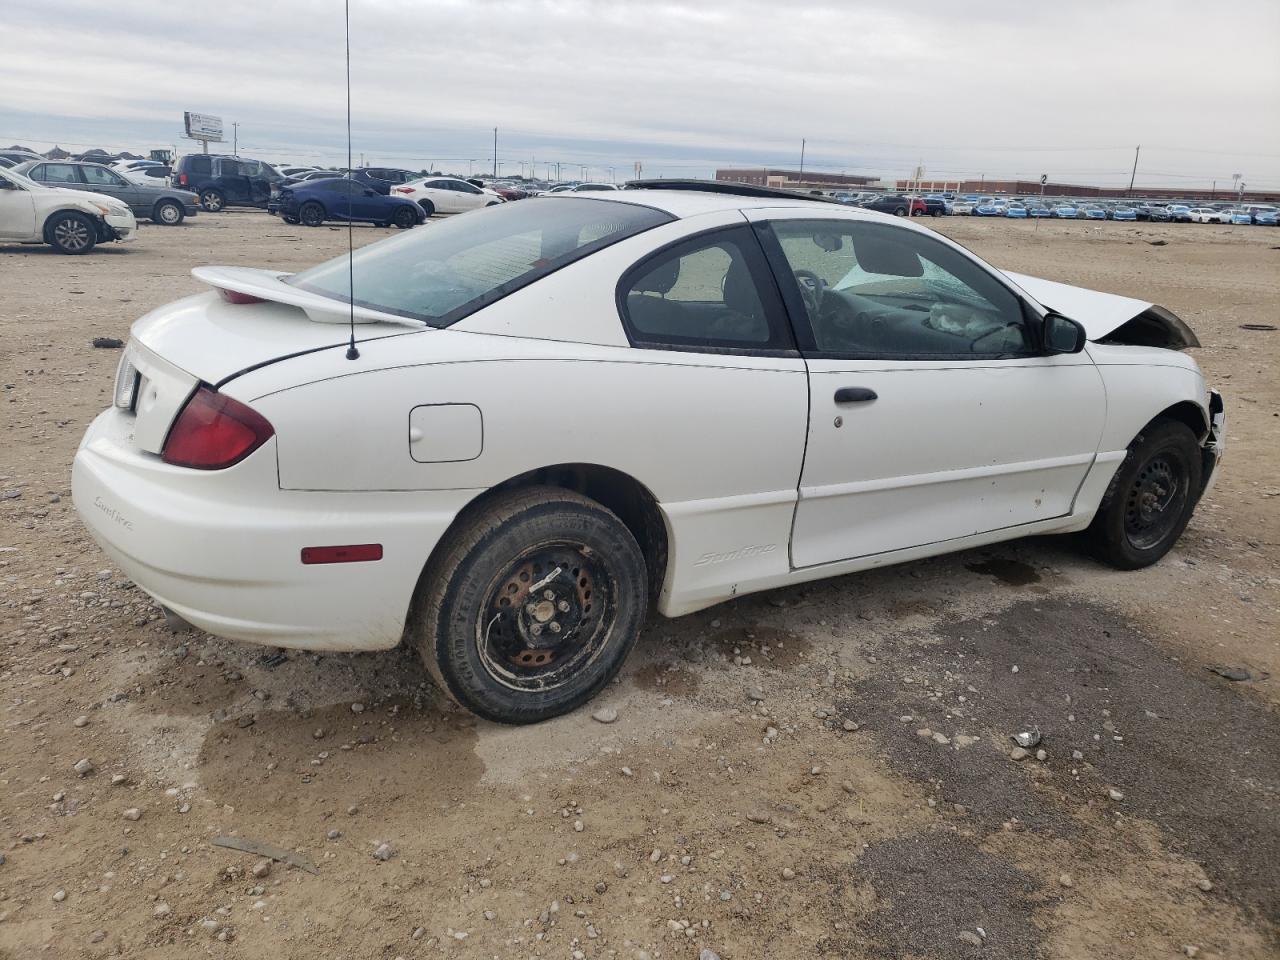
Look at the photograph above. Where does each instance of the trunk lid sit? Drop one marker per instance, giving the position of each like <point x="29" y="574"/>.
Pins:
<point x="215" y="340"/>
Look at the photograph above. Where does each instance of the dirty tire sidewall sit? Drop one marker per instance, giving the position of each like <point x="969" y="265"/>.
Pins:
<point x="455" y="587"/>
<point x="1107" y="536"/>
<point x="71" y="233"/>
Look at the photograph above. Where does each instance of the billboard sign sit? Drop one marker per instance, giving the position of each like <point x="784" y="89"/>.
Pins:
<point x="201" y="126"/>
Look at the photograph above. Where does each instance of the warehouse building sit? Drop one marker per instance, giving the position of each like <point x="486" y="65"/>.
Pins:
<point x="798" y="179"/>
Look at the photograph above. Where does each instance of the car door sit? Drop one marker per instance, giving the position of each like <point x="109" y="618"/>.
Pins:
<point x="233" y="181"/>
<point x="64" y="175"/>
<point x="102" y="180"/>
<point x="934" y="413"/>
<point x="443" y="196"/>
<point x="17" y="211"/>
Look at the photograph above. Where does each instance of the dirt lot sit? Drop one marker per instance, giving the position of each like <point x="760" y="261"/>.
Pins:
<point x="865" y="807"/>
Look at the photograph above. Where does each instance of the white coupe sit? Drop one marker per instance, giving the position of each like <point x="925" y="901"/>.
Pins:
<point x="447" y="195"/>
<point x="70" y="221"/>
<point x="552" y="413"/>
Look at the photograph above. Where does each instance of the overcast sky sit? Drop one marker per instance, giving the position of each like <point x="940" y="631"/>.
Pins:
<point x="1000" y="87"/>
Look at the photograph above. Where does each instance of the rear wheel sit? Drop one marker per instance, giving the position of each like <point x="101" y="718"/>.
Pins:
<point x="212" y="200"/>
<point x="1151" y="497"/>
<point x="169" y="213"/>
<point x="405" y="218"/>
<point x="71" y="233"/>
<point x="900" y="212"/>
<point x="531" y="606"/>
<point x="311" y="214"/>
<point x="428" y="207"/>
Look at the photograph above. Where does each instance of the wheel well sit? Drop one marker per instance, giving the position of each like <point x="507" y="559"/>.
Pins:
<point x="1189" y="414"/>
<point x="97" y="222"/>
<point x="619" y="492"/>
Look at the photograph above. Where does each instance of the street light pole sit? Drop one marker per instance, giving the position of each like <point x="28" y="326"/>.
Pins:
<point x="235" y="139"/>
<point x="495" y="153"/>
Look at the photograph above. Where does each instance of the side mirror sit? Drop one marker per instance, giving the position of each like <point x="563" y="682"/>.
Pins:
<point x="1062" y="335"/>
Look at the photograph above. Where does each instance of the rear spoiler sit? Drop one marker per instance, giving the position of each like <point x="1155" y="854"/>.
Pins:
<point x="270" y="285"/>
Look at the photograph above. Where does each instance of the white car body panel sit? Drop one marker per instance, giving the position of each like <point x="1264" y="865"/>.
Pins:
<point x="754" y="483"/>
<point x="25" y="209"/>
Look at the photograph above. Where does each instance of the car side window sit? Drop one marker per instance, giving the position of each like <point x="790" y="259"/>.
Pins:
<point x="60" y="173"/>
<point x="879" y="290"/>
<point x="705" y="292"/>
<point x="102" y="177"/>
<point x="199" y="165"/>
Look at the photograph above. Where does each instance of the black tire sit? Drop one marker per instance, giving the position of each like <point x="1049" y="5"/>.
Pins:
<point x="168" y="213"/>
<point x="1150" y="499"/>
<point x="900" y="212"/>
<point x="212" y="200"/>
<point x="311" y="214"/>
<point x="288" y="219"/>
<point x="478" y="625"/>
<point x="935" y="212"/>
<point x="428" y="208"/>
<point x="71" y="233"/>
<point x="405" y="219"/>
<point x="493" y="203"/>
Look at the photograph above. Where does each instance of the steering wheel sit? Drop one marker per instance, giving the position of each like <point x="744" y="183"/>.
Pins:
<point x="811" y="288"/>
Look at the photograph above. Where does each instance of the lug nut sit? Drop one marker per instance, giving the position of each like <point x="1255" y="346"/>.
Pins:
<point x="536" y="629"/>
<point x="530" y="609"/>
<point x="563" y="606"/>
<point x="548" y="595"/>
<point x="555" y="627"/>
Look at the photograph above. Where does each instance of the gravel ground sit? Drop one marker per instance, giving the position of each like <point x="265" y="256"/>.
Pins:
<point x="849" y="792"/>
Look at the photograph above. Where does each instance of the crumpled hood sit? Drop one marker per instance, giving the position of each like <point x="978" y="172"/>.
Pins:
<point x="1108" y="316"/>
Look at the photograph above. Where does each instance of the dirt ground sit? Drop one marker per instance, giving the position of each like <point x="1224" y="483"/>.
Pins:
<point x="846" y="793"/>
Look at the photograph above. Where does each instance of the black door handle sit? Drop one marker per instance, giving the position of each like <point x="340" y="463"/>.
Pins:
<point x="855" y="395"/>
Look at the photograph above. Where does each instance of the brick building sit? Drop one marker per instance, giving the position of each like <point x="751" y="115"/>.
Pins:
<point x="796" y="179"/>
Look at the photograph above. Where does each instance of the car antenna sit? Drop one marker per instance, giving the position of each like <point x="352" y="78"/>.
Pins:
<point x="352" y="352"/>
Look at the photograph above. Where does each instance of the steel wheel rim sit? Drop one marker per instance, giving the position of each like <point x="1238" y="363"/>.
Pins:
<point x="538" y="640"/>
<point x="72" y="233"/>
<point x="1154" y="502"/>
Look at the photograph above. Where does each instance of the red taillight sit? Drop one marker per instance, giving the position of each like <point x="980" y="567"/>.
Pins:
<point x="182" y="179"/>
<point x="404" y="189"/>
<point x="353" y="553"/>
<point x="235" y="296"/>
<point x="213" y="431"/>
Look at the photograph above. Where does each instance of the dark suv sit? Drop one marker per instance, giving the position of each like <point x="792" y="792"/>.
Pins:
<point x="222" y="181"/>
<point x="383" y="179"/>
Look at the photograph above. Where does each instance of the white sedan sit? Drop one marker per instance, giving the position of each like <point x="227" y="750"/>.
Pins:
<point x="1208" y="215"/>
<point x="447" y="195"/>
<point x="527" y="424"/>
<point x="70" y="221"/>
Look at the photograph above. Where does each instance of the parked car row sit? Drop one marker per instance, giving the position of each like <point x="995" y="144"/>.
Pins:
<point x="1024" y="208"/>
<point x="71" y="221"/>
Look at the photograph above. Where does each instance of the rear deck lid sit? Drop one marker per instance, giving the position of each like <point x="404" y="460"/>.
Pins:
<point x="215" y="339"/>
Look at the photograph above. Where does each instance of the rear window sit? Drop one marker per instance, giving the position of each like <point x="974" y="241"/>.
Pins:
<point x="442" y="273"/>
<point x="197" y="165"/>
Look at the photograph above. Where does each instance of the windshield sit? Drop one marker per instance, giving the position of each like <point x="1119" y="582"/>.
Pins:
<point x="18" y="178"/>
<point x="441" y="273"/>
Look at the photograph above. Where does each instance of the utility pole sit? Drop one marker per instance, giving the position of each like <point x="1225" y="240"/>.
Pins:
<point x="802" y="146"/>
<point x="235" y="139"/>
<point x="495" y="153"/>
<point x="1213" y="190"/>
<point x="1134" y="175"/>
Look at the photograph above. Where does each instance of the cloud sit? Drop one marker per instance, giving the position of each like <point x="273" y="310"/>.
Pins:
<point x="1008" y="89"/>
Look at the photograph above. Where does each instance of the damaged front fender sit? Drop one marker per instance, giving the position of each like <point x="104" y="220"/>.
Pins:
<point x="1109" y="318"/>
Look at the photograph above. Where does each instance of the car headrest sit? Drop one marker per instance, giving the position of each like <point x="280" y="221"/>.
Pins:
<point x="740" y="289"/>
<point x="660" y="279"/>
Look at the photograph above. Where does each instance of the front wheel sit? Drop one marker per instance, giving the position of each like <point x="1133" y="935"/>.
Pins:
<point x="900" y="212"/>
<point x="531" y="606"/>
<point x="71" y="233"/>
<point x="428" y="208"/>
<point x="311" y="214"/>
<point x="1150" y="499"/>
<point x="405" y="218"/>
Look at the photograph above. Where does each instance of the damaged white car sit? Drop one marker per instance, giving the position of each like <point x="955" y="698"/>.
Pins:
<point x="554" y="413"/>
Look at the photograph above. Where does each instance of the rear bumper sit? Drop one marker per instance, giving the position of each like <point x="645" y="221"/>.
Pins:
<point x="222" y="549"/>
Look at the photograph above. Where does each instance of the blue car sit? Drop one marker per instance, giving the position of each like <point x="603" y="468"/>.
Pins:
<point x="1093" y="213"/>
<point x="988" y="209"/>
<point x="1016" y="211"/>
<point x="1064" y="211"/>
<point x="1038" y="211"/>
<point x="313" y="202"/>
<point x="1241" y="216"/>
<point x="1266" y="218"/>
<point x="1124" y="213"/>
